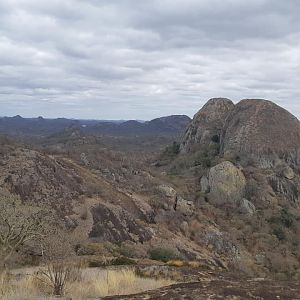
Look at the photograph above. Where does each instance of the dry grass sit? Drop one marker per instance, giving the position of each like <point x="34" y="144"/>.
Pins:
<point x="176" y="263"/>
<point x="24" y="285"/>
<point x="180" y="263"/>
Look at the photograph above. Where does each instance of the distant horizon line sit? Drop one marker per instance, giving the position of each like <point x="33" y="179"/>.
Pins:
<point x="92" y="119"/>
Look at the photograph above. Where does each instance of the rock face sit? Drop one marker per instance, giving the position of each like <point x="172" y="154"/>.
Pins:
<point x="253" y="130"/>
<point x="178" y="203"/>
<point x="226" y="183"/>
<point x="114" y="224"/>
<point x="207" y="124"/>
<point x="262" y="131"/>
<point x="285" y="188"/>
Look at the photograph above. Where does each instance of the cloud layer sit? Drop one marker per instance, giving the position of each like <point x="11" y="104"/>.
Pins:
<point x="132" y="59"/>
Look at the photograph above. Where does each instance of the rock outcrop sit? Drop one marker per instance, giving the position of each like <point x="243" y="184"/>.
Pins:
<point x="226" y="183"/>
<point x="262" y="132"/>
<point x="246" y="207"/>
<point x="253" y="131"/>
<point x="114" y="224"/>
<point x="207" y="124"/>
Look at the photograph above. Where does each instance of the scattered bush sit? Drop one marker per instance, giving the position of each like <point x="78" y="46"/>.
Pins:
<point x="215" y="138"/>
<point x="284" y="219"/>
<point x="204" y="161"/>
<point x="206" y="157"/>
<point x="96" y="263"/>
<point x="162" y="254"/>
<point x="279" y="233"/>
<point x="169" y="154"/>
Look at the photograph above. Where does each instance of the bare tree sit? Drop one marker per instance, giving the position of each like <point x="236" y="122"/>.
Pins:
<point x="24" y="224"/>
<point x="19" y="224"/>
<point x="59" y="268"/>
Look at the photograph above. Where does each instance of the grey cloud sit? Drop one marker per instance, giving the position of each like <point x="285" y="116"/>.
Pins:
<point x="143" y="59"/>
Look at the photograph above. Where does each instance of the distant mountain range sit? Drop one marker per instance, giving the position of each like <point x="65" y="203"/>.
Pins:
<point x="171" y="125"/>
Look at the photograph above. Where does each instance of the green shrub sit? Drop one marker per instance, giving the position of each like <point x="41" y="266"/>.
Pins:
<point x="207" y="156"/>
<point x="172" y="150"/>
<point x="214" y="150"/>
<point x="96" y="264"/>
<point x="169" y="154"/>
<point x="215" y="138"/>
<point x="162" y="254"/>
<point x="279" y="233"/>
<point x="285" y="218"/>
<point x="204" y="162"/>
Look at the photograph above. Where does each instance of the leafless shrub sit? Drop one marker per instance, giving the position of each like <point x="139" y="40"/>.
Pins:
<point x="19" y="224"/>
<point x="58" y="270"/>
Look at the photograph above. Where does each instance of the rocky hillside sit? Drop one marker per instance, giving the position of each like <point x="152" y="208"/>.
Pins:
<point x="96" y="208"/>
<point x="244" y="160"/>
<point x="228" y="195"/>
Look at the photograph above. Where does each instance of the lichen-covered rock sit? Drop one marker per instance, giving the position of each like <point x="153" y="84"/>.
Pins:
<point x="246" y="207"/>
<point x="207" y="124"/>
<point x="167" y="191"/>
<point x="227" y="183"/>
<point x="185" y="207"/>
<point x="288" y="173"/>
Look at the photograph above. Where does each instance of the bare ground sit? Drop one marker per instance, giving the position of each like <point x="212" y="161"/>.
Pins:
<point x="223" y="288"/>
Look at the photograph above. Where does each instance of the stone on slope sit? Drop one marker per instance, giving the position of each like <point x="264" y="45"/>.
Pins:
<point x="246" y="207"/>
<point x="227" y="183"/>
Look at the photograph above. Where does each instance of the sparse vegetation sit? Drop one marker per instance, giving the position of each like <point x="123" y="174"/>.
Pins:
<point x="87" y="283"/>
<point x="19" y="225"/>
<point x="182" y="263"/>
<point x="162" y="254"/>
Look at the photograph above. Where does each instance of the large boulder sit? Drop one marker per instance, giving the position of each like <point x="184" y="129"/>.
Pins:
<point x="226" y="183"/>
<point x="207" y="124"/>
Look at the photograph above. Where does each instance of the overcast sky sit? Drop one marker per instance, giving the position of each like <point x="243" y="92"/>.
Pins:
<point x="140" y="59"/>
